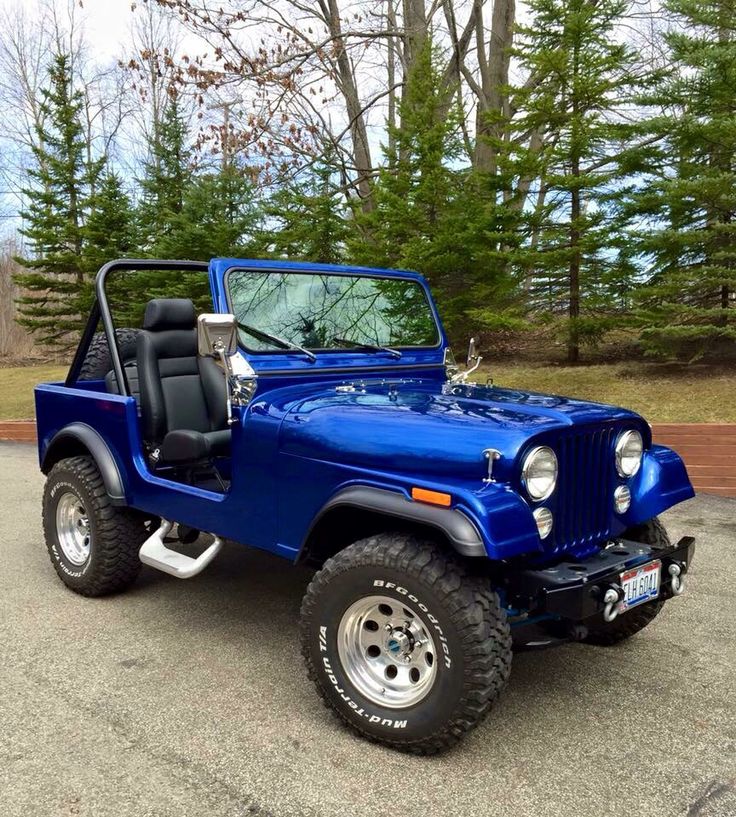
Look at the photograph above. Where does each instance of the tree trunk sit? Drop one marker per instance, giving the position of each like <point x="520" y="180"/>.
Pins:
<point x="494" y="77"/>
<point x="391" y="74"/>
<point x="573" y="335"/>
<point x="415" y="32"/>
<point x="573" y="341"/>
<point x="356" y="117"/>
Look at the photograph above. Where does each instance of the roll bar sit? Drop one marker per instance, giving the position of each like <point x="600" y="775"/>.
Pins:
<point x="101" y="309"/>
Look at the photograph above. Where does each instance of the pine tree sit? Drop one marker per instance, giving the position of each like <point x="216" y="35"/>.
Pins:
<point x="166" y="179"/>
<point x="306" y="220"/>
<point x="162" y="226"/>
<point x="57" y="290"/>
<point x="429" y="213"/>
<point x="582" y="78"/>
<point x="110" y="231"/>
<point x="683" y="210"/>
<point x="217" y="218"/>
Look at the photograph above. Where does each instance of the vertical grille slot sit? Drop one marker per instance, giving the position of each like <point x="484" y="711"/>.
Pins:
<point x="584" y="492"/>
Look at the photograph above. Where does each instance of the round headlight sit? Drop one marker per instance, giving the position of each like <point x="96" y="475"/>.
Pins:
<point x="629" y="448"/>
<point x="544" y="520"/>
<point x="539" y="472"/>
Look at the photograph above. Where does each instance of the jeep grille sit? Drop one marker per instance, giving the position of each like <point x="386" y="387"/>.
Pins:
<point x="584" y="494"/>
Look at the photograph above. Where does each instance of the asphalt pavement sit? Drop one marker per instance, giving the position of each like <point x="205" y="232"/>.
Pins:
<point x="189" y="698"/>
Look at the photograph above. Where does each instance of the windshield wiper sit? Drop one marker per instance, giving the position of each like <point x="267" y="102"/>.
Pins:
<point x="284" y="344"/>
<point x="371" y="347"/>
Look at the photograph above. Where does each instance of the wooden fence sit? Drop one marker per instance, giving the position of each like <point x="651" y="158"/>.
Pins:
<point x="709" y="452"/>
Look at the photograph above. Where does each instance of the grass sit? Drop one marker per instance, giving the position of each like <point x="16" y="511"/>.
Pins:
<point x="662" y="393"/>
<point x="16" y="388"/>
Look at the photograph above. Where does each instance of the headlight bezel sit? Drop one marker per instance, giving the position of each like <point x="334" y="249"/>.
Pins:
<point x="624" y="439"/>
<point x="526" y="466"/>
<point x="543" y="516"/>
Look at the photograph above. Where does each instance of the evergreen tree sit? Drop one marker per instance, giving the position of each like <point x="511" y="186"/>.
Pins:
<point x="57" y="291"/>
<point x="163" y="228"/>
<point x="429" y="214"/>
<point x="166" y="179"/>
<point x="582" y="77"/>
<point x="306" y="220"/>
<point x="683" y="211"/>
<point x="110" y="231"/>
<point x="217" y="218"/>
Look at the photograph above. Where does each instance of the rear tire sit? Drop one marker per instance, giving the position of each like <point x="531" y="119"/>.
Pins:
<point x="403" y="644"/>
<point x="93" y="545"/>
<point x="651" y="533"/>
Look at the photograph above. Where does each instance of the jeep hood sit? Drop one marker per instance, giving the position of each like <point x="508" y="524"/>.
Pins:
<point x="429" y="427"/>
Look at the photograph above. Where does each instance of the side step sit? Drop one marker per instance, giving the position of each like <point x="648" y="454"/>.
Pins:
<point x="154" y="553"/>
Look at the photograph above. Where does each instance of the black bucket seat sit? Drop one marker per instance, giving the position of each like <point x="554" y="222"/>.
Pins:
<point x="182" y="396"/>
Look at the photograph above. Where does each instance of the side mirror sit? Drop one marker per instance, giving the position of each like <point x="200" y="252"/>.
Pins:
<point x="472" y="352"/>
<point x="474" y="360"/>
<point x="217" y="335"/>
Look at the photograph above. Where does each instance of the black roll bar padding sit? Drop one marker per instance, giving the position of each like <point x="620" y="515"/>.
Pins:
<point x="101" y="309"/>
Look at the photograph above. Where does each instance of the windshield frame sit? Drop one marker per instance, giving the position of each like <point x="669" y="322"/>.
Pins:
<point x="390" y="275"/>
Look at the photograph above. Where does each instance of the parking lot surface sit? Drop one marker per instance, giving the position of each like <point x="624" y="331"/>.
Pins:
<point x="189" y="698"/>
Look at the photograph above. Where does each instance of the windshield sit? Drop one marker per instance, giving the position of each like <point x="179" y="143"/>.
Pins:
<point x="330" y="311"/>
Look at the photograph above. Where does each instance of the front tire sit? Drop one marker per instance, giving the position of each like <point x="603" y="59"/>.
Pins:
<point x="92" y="544"/>
<point x="403" y="644"/>
<point x="623" y="627"/>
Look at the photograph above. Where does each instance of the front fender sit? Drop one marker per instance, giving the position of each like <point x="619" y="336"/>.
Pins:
<point x="662" y="482"/>
<point x="458" y="528"/>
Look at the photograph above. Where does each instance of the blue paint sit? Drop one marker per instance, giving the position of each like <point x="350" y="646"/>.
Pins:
<point x="300" y="441"/>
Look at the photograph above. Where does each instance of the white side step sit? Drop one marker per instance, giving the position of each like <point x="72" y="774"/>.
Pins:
<point x="154" y="553"/>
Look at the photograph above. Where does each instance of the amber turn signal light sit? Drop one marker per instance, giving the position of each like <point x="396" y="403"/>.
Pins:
<point x="432" y="497"/>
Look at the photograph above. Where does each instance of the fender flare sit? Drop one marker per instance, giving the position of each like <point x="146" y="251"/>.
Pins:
<point x="99" y="451"/>
<point x="459" y="529"/>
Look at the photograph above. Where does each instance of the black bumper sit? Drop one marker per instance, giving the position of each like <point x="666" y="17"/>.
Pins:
<point x="574" y="590"/>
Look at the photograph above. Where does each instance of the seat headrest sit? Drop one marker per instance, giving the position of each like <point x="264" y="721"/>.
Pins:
<point x="169" y="313"/>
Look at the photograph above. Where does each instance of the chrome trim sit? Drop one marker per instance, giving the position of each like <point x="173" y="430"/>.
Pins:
<point x="387" y="651"/>
<point x="623" y="438"/>
<point x="621" y="495"/>
<point x="543" y="512"/>
<point x="73" y="529"/>
<point x="491" y="455"/>
<point x="525" y="470"/>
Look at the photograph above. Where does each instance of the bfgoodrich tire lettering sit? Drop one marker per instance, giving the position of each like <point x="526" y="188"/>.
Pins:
<point x="115" y="533"/>
<point x="468" y="628"/>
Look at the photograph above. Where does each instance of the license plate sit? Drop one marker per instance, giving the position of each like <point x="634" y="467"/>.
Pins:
<point x="640" y="585"/>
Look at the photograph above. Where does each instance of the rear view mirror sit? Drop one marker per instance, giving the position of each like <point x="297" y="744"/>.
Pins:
<point x="217" y="335"/>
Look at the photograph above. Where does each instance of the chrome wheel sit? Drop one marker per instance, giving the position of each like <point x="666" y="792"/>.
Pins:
<point x="387" y="651"/>
<point x="72" y="528"/>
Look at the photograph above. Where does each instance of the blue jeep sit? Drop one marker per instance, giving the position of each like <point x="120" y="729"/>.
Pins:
<point x="316" y="412"/>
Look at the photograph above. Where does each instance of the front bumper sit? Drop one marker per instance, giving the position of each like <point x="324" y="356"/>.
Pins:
<point x="577" y="590"/>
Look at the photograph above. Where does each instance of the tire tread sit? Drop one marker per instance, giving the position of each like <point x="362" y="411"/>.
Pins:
<point x="475" y="611"/>
<point x="118" y="535"/>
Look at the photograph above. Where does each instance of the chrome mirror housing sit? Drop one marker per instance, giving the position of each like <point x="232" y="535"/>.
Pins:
<point x="473" y="361"/>
<point x="217" y="336"/>
<point x="472" y="353"/>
